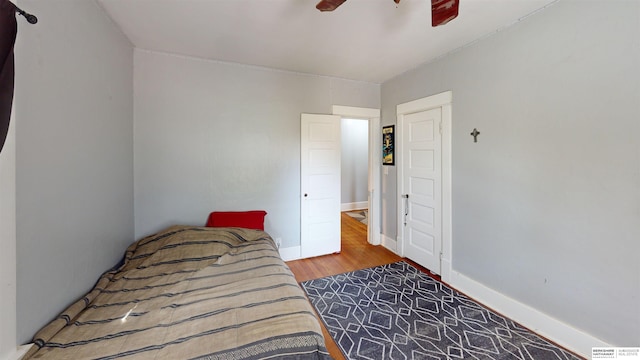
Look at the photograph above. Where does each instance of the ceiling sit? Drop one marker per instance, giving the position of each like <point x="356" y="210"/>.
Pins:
<point x="367" y="40"/>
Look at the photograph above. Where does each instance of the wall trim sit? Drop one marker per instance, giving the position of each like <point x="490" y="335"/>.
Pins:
<point x="426" y="103"/>
<point x="23" y="349"/>
<point x="290" y="253"/>
<point x="354" y="206"/>
<point x="19" y="352"/>
<point x="389" y="243"/>
<point x="537" y="321"/>
<point x="356" y="112"/>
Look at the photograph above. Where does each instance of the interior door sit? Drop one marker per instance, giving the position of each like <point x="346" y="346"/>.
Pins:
<point x="421" y="182"/>
<point x="320" y="185"/>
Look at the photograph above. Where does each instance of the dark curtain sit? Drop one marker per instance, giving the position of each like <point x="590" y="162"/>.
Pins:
<point x="8" y="30"/>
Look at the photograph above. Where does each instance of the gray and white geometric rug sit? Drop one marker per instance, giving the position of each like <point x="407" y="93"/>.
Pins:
<point x="396" y="311"/>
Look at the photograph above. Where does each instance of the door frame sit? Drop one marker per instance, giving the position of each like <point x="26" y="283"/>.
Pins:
<point x="375" y="165"/>
<point x="443" y="101"/>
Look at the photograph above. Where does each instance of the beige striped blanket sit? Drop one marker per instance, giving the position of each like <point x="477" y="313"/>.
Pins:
<point x="190" y="293"/>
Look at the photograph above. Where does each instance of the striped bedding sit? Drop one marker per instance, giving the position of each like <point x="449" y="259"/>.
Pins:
<point x="190" y="293"/>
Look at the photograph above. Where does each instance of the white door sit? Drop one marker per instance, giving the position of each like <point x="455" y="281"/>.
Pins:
<point x="421" y="187"/>
<point x="320" y="185"/>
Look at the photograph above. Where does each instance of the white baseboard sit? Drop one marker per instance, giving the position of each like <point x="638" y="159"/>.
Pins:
<point x="445" y="270"/>
<point x="290" y="253"/>
<point x="18" y="354"/>
<point x="389" y="243"/>
<point x="541" y="323"/>
<point x="22" y="350"/>
<point x="354" y="206"/>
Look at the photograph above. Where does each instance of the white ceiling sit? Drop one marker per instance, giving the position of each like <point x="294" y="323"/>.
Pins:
<point x="368" y="40"/>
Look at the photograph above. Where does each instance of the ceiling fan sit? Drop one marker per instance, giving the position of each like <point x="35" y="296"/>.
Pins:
<point x="442" y="11"/>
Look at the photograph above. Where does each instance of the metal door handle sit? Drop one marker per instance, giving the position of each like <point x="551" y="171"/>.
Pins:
<point x="406" y="207"/>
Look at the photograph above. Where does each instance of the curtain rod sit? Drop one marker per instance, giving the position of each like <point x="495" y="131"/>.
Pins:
<point x="31" y="19"/>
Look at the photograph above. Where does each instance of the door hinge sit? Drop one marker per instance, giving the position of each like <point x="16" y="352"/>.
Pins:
<point x="440" y="125"/>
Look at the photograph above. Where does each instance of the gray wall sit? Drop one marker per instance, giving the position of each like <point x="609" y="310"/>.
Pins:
<point x="218" y="136"/>
<point x="74" y="167"/>
<point x="355" y="161"/>
<point x="546" y="204"/>
<point x="8" y="245"/>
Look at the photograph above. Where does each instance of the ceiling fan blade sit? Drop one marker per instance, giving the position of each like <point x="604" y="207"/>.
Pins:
<point x="443" y="11"/>
<point x="329" y="5"/>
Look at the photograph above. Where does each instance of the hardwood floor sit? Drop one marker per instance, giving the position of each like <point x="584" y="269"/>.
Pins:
<point x="356" y="254"/>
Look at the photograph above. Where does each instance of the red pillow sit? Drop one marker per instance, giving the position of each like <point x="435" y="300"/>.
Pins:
<point x="245" y="219"/>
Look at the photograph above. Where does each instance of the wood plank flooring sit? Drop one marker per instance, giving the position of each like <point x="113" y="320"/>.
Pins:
<point x="356" y="254"/>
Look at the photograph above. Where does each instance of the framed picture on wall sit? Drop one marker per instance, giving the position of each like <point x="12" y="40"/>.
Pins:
<point x="388" y="145"/>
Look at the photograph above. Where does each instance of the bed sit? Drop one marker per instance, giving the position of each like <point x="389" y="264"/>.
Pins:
<point x="190" y="293"/>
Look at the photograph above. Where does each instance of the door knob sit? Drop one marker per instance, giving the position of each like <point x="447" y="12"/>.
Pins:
<point x="305" y="195"/>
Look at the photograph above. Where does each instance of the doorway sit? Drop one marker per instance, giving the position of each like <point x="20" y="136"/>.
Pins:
<point x="354" y="173"/>
<point x="307" y="243"/>
<point x="374" y="196"/>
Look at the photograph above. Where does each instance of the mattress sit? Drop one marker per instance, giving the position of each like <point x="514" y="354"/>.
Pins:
<point x="190" y="293"/>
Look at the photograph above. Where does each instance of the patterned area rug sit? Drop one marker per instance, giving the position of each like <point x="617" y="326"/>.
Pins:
<point x="396" y="311"/>
<point x="360" y="215"/>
